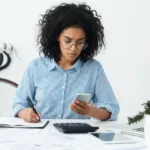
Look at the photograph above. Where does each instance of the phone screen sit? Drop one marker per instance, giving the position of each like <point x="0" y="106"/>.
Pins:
<point x="110" y="136"/>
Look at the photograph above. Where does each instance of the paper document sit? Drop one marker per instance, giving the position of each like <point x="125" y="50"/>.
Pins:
<point x="133" y="148"/>
<point x="19" y="123"/>
<point x="22" y="146"/>
<point x="133" y="129"/>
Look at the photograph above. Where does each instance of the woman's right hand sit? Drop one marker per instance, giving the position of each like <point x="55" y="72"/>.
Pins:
<point x="28" y="115"/>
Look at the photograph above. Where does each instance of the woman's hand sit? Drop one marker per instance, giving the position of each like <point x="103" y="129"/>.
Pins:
<point x="28" y="115"/>
<point x="82" y="108"/>
<point x="89" y="109"/>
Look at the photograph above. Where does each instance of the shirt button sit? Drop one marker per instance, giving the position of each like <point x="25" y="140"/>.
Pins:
<point x="63" y="87"/>
<point x="61" y="102"/>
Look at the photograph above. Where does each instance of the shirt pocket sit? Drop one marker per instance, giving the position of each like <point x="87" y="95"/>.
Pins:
<point x="39" y="94"/>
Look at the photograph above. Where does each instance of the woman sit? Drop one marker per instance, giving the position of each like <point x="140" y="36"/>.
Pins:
<point x="70" y="36"/>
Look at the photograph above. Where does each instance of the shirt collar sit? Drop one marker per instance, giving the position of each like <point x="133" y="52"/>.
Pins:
<point x="52" y="64"/>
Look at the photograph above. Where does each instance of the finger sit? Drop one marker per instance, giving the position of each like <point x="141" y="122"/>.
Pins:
<point x="73" y="108"/>
<point x="34" y="120"/>
<point x="39" y="114"/>
<point x="33" y="114"/>
<point x="80" y="112"/>
<point x="76" y="110"/>
<point x="79" y="108"/>
<point x="82" y="104"/>
<point x="91" y="104"/>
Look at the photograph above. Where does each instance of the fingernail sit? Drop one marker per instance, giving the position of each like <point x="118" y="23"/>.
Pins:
<point x="37" y="118"/>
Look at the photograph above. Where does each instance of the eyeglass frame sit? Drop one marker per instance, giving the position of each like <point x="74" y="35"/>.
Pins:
<point x="76" y="45"/>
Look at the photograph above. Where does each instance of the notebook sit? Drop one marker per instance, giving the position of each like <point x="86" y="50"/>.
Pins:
<point x="136" y="129"/>
<point x="19" y="123"/>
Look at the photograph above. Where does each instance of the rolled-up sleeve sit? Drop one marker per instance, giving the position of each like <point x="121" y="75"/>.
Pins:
<point x="25" y="89"/>
<point x="104" y="96"/>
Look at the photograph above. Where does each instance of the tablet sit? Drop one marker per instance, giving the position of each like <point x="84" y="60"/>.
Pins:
<point x="112" y="138"/>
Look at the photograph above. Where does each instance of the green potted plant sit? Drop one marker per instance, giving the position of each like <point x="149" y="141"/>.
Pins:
<point x="140" y="116"/>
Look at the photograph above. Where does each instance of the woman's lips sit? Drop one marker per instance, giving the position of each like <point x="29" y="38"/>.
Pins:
<point x="72" y="55"/>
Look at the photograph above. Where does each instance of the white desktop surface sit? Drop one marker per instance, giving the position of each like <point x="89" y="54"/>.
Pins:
<point x="50" y="138"/>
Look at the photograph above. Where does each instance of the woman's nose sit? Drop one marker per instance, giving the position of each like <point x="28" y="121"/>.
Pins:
<point x="73" y="47"/>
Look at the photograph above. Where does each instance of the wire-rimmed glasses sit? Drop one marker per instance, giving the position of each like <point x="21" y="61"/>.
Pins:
<point x="78" y="45"/>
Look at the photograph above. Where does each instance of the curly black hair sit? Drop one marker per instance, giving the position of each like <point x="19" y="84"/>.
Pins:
<point x="58" y="18"/>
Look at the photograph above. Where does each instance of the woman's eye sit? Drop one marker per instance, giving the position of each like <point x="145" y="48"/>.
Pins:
<point x="82" y="42"/>
<point x="66" y="41"/>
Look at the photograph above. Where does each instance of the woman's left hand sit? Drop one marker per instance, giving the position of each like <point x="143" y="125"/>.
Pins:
<point x="82" y="108"/>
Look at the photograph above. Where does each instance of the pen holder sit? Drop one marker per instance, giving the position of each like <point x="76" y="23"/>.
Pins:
<point x="147" y="130"/>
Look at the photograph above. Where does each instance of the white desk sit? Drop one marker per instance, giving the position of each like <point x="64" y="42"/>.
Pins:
<point x="50" y="138"/>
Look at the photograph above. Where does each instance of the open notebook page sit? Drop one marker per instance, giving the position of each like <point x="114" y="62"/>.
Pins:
<point x="19" y="123"/>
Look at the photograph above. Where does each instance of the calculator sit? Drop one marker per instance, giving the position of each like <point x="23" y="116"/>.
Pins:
<point x="75" y="127"/>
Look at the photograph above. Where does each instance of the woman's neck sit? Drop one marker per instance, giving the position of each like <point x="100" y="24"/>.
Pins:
<point x="65" y="64"/>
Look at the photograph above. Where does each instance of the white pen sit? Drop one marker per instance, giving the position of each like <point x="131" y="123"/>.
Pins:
<point x="133" y="134"/>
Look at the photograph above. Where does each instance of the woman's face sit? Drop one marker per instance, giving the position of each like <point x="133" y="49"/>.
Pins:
<point x="71" y="42"/>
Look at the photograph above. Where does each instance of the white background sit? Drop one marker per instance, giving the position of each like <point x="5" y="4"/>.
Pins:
<point x="125" y="58"/>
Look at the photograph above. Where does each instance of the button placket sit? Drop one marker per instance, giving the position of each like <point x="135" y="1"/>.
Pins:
<point x="62" y="97"/>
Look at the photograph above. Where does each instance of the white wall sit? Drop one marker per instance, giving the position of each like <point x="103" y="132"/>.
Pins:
<point x="125" y="59"/>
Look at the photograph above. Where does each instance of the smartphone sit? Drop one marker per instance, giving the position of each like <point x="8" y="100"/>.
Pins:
<point x="84" y="97"/>
<point x="112" y="138"/>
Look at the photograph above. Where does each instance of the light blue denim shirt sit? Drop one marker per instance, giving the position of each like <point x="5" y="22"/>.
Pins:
<point x="52" y="89"/>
